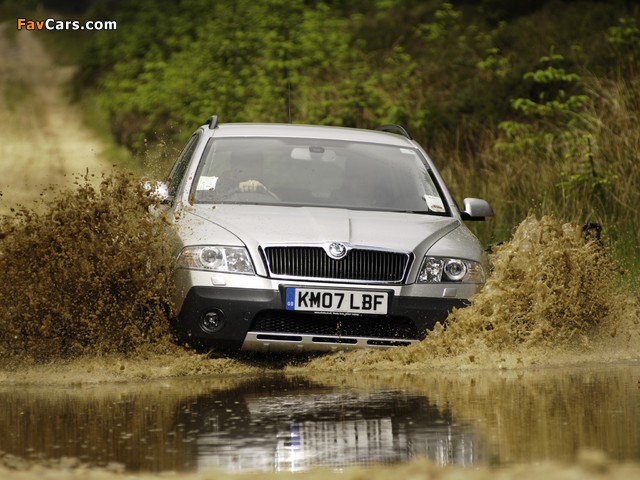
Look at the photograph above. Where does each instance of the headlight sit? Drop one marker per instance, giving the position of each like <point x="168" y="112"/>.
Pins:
<point x="216" y="258"/>
<point x="439" y="269"/>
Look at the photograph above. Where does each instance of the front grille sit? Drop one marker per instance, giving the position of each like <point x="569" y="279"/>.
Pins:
<point x="371" y="326"/>
<point x="360" y="265"/>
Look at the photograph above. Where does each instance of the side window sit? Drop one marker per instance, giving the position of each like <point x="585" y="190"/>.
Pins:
<point x="180" y="167"/>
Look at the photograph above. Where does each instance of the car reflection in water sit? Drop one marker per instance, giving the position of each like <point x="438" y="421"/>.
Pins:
<point x="290" y="425"/>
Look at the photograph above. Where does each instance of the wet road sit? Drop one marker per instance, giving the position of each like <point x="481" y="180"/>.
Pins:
<point x="279" y="422"/>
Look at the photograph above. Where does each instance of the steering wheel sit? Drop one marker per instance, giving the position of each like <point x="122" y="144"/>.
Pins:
<point x="261" y="191"/>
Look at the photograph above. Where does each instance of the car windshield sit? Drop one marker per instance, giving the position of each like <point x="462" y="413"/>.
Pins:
<point x="310" y="172"/>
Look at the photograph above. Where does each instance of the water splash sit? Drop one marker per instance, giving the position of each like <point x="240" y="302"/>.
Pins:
<point x="87" y="271"/>
<point x="552" y="285"/>
<point x="552" y="297"/>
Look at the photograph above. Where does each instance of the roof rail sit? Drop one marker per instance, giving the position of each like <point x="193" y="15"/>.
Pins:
<point x="392" y="127"/>
<point x="212" y="121"/>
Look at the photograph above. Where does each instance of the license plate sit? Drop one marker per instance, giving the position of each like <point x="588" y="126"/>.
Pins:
<point x="337" y="301"/>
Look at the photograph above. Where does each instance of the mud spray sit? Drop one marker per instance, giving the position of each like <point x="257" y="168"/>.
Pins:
<point x="553" y="297"/>
<point x="87" y="272"/>
<point x="85" y="289"/>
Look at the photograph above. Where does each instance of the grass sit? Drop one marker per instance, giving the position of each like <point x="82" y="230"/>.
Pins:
<point x="95" y="117"/>
<point x="587" y="174"/>
<point x="15" y="92"/>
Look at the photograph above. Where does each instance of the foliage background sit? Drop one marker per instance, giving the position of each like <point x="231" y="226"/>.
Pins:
<point x="531" y="104"/>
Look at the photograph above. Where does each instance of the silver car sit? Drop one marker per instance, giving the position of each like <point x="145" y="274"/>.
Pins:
<point x="298" y="237"/>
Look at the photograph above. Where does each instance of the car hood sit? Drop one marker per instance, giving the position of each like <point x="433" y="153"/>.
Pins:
<point x="256" y="225"/>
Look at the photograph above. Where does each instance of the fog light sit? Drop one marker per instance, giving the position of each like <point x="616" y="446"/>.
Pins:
<point x="212" y="321"/>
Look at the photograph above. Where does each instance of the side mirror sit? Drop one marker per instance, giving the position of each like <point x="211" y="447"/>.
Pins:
<point x="159" y="190"/>
<point x="476" y="209"/>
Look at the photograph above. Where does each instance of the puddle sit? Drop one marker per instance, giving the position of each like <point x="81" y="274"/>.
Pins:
<point x="281" y="422"/>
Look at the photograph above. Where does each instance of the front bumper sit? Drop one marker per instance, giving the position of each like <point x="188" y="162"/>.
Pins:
<point x="256" y="319"/>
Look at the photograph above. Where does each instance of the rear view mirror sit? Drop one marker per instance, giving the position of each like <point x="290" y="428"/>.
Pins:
<point x="314" y="152"/>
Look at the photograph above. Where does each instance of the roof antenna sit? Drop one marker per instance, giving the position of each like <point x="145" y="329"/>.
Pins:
<point x="289" y="100"/>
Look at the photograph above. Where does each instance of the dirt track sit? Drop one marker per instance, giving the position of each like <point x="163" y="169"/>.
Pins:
<point x="42" y="139"/>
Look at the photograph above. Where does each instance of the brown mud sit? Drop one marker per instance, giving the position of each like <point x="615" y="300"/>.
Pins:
<point x="553" y="297"/>
<point x="85" y="296"/>
<point x="590" y="465"/>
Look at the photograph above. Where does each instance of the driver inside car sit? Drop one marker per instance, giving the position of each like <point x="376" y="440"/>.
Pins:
<point x="245" y="175"/>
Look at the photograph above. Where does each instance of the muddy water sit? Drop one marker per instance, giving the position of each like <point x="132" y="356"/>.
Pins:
<point x="289" y="423"/>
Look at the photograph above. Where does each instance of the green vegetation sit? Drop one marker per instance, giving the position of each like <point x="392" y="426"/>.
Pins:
<point x="532" y="105"/>
<point x="14" y="93"/>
